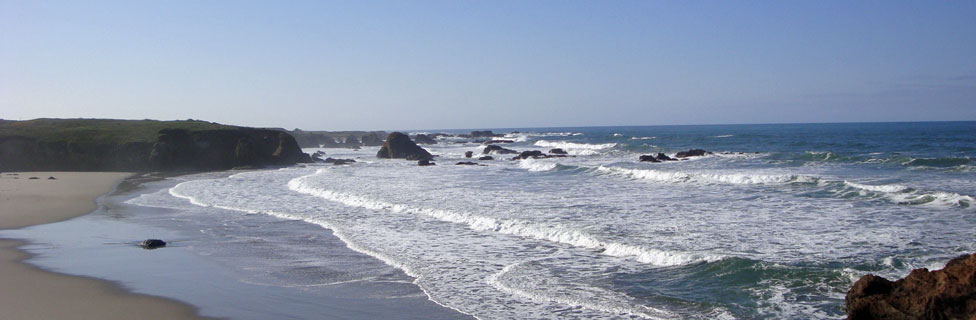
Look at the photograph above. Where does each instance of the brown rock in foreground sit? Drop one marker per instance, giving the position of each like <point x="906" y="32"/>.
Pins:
<point x="949" y="293"/>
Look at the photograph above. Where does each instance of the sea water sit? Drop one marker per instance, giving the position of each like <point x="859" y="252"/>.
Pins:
<point x="776" y="223"/>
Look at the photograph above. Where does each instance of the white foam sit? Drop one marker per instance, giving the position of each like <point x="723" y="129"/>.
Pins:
<point x="725" y="136"/>
<point x="704" y="177"/>
<point x="887" y="188"/>
<point x="537" y="165"/>
<point x="642" y="138"/>
<point x="904" y="195"/>
<point x="618" y="135"/>
<point x="573" y="145"/>
<point x="526" y="229"/>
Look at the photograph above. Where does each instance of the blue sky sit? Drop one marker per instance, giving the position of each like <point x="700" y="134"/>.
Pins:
<point x="476" y="64"/>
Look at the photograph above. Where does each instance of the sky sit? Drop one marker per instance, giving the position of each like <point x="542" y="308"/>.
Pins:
<point x="382" y="65"/>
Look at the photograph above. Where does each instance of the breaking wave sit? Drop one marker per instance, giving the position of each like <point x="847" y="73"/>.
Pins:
<point x="521" y="228"/>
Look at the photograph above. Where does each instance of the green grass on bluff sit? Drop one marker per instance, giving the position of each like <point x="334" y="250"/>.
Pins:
<point x="100" y="130"/>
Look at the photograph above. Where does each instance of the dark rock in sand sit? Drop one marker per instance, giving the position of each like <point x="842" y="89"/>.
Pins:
<point x="424" y="139"/>
<point x="664" y="157"/>
<point x="949" y="293"/>
<point x="648" y="158"/>
<point x="691" y="153"/>
<point x="493" y="149"/>
<point x="33" y="178"/>
<point x="466" y="163"/>
<point x="153" y="244"/>
<point x="424" y="163"/>
<point x="486" y="158"/>
<point x="468" y="154"/>
<point x="399" y="146"/>
<point x="534" y="154"/>
<point x="498" y="141"/>
<point x="557" y="151"/>
<point x="52" y="178"/>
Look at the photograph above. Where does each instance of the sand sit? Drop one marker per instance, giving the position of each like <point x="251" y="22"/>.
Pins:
<point x="32" y="293"/>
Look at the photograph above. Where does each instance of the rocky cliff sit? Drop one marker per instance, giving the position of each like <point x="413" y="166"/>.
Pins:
<point x="145" y="145"/>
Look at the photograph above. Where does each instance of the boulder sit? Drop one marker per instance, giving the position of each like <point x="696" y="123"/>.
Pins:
<point x="468" y="154"/>
<point x="485" y="134"/>
<point x="338" y="162"/>
<point x="664" y="157"/>
<point x="399" y="146"/>
<point x="351" y="142"/>
<point x="648" y="158"/>
<point x="557" y="151"/>
<point x="493" y="149"/>
<point x="486" y="158"/>
<point x="949" y="293"/>
<point x="424" y="139"/>
<point x="692" y="153"/>
<point x="153" y="243"/>
<point x="466" y="163"/>
<point x="52" y="178"/>
<point x="534" y="154"/>
<point x="424" y="163"/>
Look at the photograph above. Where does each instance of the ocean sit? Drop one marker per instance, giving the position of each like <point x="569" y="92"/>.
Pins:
<point x="776" y="223"/>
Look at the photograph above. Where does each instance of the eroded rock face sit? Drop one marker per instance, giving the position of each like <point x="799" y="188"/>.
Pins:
<point x="372" y="140"/>
<point x="223" y="149"/>
<point x="949" y="293"/>
<point x="399" y="146"/>
<point x="534" y="154"/>
<point x="557" y="151"/>
<point x="648" y="158"/>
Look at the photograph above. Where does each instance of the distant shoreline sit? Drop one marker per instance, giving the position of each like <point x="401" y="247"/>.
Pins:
<point x="42" y="294"/>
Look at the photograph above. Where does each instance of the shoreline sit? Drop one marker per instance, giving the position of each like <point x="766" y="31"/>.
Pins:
<point x="46" y="294"/>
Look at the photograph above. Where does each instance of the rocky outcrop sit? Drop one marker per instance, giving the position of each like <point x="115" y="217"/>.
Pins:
<point x="493" y="149"/>
<point x="949" y="293"/>
<point x="466" y="163"/>
<point x="371" y="140"/>
<point x="182" y="150"/>
<point x="484" y="134"/>
<point x="424" y="163"/>
<point x="339" y="162"/>
<point x="351" y="142"/>
<point x="557" y="151"/>
<point x="486" y="158"/>
<point x="534" y="154"/>
<point x="424" y="139"/>
<point x="468" y="154"/>
<point x="648" y="158"/>
<point x="664" y="157"/>
<point x="399" y="146"/>
<point x="691" y="153"/>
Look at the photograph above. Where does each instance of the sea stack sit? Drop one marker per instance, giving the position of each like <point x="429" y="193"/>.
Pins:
<point x="399" y="146"/>
<point x="949" y="293"/>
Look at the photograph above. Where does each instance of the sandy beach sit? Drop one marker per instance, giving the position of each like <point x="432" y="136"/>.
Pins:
<point x="32" y="293"/>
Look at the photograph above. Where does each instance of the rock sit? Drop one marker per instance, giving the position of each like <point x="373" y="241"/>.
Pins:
<point x="372" y="140"/>
<point x="949" y="293"/>
<point x="468" y="154"/>
<point x="424" y="139"/>
<point x="153" y="244"/>
<point x="466" y="163"/>
<point x="692" y="153"/>
<point x="493" y="149"/>
<point x="557" y="151"/>
<point x="498" y="141"/>
<point x="424" y="163"/>
<point x="485" y="133"/>
<point x="486" y="158"/>
<point x="351" y="142"/>
<point x="338" y="161"/>
<point x="648" y="158"/>
<point x="52" y="178"/>
<point x="534" y="154"/>
<point x="399" y="146"/>
<point x="33" y="178"/>
<point x="664" y="157"/>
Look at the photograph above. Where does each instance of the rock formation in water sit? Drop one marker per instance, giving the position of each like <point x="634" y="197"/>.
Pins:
<point x="493" y="149"/>
<point x="949" y="293"/>
<point x="424" y="139"/>
<point x="691" y="153"/>
<point x="399" y="146"/>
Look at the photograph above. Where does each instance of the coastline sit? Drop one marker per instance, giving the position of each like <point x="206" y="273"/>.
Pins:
<point x="43" y="294"/>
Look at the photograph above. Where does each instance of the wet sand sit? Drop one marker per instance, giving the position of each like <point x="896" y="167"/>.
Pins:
<point x="32" y="293"/>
